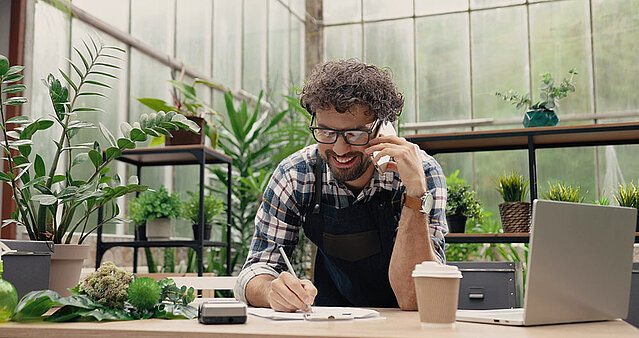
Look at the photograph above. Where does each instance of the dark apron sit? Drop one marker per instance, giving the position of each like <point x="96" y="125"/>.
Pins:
<point x="354" y="249"/>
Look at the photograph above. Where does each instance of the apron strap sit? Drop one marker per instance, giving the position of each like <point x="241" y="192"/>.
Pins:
<point x="317" y="198"/>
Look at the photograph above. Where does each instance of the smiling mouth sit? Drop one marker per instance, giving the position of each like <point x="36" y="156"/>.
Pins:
<point x="344" y="161"/>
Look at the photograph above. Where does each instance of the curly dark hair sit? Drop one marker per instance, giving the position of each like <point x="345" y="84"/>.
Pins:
<point x="344" y="83"/>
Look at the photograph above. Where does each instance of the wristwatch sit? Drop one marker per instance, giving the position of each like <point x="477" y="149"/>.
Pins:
<point x="423" y="204"/>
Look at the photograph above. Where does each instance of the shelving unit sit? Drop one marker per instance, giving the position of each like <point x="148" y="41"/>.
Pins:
<point x="200" y="155"/>
<point x="529" y="139"/>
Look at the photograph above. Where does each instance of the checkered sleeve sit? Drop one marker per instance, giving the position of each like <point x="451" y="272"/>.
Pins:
<point x="276" y="224"/>
<point x="436" y="182"/>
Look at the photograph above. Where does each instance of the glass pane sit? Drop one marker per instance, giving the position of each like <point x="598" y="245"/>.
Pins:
<point x="278" y="54"/>
<point x="617" y="165"/>
<point x="193" y="34"/>
<point x="559" y="43"/>
<point x="615" y="37"/>
<point x="475" y="4"/>
<point x="227" y="44"/>
<point x="443" y="67"/>
<point x="152" y="22"/>
<point x="254" y="51"/>
<point x="339" y="11"/>
<point x="115" y="12"/>
<point x="424" y="7"/>
<point x="50" y="48"/>
<point x="579" y="171"/>
<point x="297" y="52"/>
<point x="391" y="44"/>
<point x="499" y="60"/>
<point x="343" y="42"/>
<point x="298" y="7"/>
<point x="382" y="9"/>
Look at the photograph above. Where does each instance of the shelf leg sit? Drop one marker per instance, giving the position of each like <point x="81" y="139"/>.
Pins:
<point x="532" y="167"/>
<point x="228" y="221"/>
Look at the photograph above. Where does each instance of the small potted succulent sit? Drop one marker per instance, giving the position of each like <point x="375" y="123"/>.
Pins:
<point x="563" y="192"/>
<point x="514" y="212"/>
<point x="628" y="196"/>
<point x="158" y="208"/>
<point x="542" y="113"/>
<point x="461" y="203"/>
<point x="191" y="211"/>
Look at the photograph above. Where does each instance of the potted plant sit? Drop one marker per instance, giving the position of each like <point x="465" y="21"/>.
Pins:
<point x="542" y="113"/>
<point x="53" y="202"/>
<point x="563" y="192"/>
<point x="158" y="209"/>
<point x="191" y="211"/>
<point x="136" y="214"/>
<point x="187" y="103"/>
<point x="461" y="203"/>
<point x="514" y="212"/>
<point x="628" y="196"/>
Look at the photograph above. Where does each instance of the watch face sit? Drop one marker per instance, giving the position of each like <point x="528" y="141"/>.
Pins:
<point x="427" y="203"/>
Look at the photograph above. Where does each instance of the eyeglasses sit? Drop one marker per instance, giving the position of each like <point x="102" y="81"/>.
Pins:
<point x="355" y="137"/>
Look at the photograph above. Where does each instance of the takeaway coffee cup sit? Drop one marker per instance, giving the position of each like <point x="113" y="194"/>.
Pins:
<point x="437" y="288"/>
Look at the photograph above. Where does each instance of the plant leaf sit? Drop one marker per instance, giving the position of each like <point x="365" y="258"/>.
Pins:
<point x="39" y="166"/>
<point x="16" y="88"/>
<point x="68" y="79"/>
<point x="107" y="135"/>
<point x="45" y="199"/>
<point x="14" y="101"/>
<point x="96" y="157"/>
<point x="34" y="304"/>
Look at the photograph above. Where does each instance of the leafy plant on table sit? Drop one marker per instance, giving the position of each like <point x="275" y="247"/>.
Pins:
<point x="213" y="206"/>
<point x="512" y="187"/>
<point x="51" y="203"/>
<point x="111" y="298"/>
<point x="154" y="204"/>
<point x="461" y="198"/>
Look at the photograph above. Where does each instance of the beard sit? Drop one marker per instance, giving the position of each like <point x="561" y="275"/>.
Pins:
<point x="355" y="171"/>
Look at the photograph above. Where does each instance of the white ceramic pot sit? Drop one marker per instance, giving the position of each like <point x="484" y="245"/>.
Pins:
<point x="159" y="229"/>
<point x="66" y="266"/>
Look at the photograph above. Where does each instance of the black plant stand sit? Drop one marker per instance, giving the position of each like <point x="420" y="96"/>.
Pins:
<point x="174" y="155"/>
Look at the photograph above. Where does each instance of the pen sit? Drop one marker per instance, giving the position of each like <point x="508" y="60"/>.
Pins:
<point x="290" y="269"/>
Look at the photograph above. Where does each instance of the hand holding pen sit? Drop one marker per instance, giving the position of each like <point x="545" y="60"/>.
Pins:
<point x="288" y="293"/>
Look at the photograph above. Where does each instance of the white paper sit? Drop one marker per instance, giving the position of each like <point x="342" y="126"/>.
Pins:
<point x="357" y="313"/>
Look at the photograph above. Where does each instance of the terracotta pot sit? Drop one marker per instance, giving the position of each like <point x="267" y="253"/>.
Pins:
<point x="182" y="137"/>
<point x="66" y="265"/>
<point x="159" y="229"/>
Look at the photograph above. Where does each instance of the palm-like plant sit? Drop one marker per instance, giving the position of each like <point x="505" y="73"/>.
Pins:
<point x="628" y="196"/>
<point x="512" y="187"/>
<point x="564" y="192"/>
<point x="54" y="206"/>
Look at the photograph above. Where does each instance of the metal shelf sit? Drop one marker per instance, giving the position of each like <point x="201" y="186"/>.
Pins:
<point x="529" y="139"/>
<point x="196" y="154"/>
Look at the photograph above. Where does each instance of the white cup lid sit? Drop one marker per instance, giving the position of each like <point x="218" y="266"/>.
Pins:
<point x="434" y="269"/>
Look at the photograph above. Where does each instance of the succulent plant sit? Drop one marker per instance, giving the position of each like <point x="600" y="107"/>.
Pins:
<point x="108" y="285"/>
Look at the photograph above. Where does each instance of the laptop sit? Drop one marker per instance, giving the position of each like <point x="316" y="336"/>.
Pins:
<point x="579" y="266"/>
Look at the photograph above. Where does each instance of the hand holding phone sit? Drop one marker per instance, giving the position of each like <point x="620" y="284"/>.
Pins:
<point x="386" y="129"/>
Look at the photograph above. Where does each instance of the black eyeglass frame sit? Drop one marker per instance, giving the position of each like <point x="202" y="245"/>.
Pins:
<point x="342" y="132"/>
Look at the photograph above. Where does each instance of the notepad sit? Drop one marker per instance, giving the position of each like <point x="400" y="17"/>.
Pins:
<point x="337" y="312"/>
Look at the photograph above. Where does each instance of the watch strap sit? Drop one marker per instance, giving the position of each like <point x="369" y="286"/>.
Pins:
<point x="412" y="202"/>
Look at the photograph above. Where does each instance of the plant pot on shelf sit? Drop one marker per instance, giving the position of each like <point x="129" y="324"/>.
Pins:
<point x="183" y="137"/>
<point x="540" y="118"/>
<point x="515" y="216"/>
<point x="140" y="233"/>
<point x="196" y="231"/>
<point x="456" y="223"/>
<point x="159" y="229"/>
<point x="66" y="266"/>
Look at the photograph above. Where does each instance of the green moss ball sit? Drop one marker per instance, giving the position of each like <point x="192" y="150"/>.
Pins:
<point x="144" y="293"/>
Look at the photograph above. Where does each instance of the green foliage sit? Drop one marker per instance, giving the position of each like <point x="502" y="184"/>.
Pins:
<point x="169" y="260"/>
<point x="256" y="142"/>
<point x="512" y="187"/>
<point x="602" y="201"/>
<point x="155" y="204"/>
<point x="108" y="285"/>
<point x="549" y="96"/>
<point x="461" y="199"/>
<point x="191" y="208"/>
<point x="144" y="293"/>
<point x="53" y="206"/>
<point x="628" y="196"/>
<point x="171" y="293"/>
<point x="563" y="192"/>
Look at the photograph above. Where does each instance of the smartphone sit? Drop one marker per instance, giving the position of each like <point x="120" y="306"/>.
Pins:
<point x="386" y="129"/>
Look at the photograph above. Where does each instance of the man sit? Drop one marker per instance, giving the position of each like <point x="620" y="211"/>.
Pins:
<point x="370" y="228"/>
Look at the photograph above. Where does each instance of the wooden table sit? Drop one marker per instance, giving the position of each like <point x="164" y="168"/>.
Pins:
<point x="397" y="324"/>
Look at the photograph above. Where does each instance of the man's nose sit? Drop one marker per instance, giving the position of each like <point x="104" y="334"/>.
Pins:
<point x="340" y="147"/>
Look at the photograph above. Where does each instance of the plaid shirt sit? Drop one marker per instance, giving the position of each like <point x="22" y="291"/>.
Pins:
<point x="289" y="195"/>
